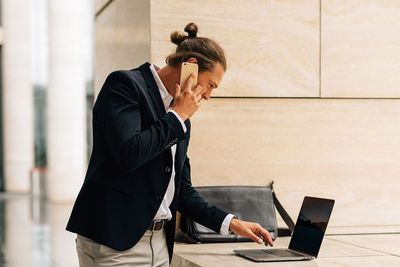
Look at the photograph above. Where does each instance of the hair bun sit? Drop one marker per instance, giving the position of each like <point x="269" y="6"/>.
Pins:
<point x="191" y="29"/>
<point x="179" y="37"/>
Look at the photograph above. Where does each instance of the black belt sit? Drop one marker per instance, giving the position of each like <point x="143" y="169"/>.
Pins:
<point x="157" y="225"/>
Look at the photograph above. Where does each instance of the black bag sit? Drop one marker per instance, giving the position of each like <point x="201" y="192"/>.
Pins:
<point x="249" y="203"/>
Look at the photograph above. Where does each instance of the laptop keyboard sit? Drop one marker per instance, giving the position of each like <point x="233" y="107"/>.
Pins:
<point x="282" y="253"/>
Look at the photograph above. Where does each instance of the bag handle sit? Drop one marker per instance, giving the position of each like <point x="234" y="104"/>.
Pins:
<point x="281" y="210"/>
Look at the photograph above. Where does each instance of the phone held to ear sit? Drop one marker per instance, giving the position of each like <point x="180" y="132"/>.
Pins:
<point x="187" y="69"/>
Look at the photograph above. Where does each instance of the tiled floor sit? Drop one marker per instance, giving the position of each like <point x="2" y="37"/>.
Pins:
<point x="32" y="234"/>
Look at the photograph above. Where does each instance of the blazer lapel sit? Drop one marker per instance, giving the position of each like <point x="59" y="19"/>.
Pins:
<point x="152" y="88"/>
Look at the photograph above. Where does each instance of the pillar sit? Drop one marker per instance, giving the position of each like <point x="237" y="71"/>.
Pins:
<point x="66" y="147"/>
<point x="17" y="96"/>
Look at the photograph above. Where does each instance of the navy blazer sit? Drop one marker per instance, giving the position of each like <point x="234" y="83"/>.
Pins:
<point x="130" y="166"/>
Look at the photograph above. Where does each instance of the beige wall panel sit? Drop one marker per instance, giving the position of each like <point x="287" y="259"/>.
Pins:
<point x="360" y="48"/>
<point x="344" y="149"/>
<point x="105" y="36"/>
<point x="122" y="37"/>
<point x="272" y="46"/>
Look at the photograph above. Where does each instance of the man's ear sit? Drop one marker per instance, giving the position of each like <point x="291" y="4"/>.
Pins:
<point x="192" y="60"/>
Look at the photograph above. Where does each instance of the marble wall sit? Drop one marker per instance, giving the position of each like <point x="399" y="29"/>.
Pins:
<point x="360" y="48"/>
<point x="343" y="149"/>
<point x="272" y="45"/>
<point x="122" y="36"/>
<point x="325" y="74"/>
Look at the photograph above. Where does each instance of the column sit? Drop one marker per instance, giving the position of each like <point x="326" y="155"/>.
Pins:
<point x="66" y="147"/>
<point x="17" y="96"/>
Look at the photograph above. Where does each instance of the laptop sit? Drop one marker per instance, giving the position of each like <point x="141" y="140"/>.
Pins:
<point x="306" y="238"/>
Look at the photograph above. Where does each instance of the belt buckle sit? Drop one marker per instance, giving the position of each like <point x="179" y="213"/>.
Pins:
<point x="155" y="223"/>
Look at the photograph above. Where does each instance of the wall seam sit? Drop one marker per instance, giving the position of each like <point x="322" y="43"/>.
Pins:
<point x="320" y="48"/>
<point x="316" y="97"/>
<point x="97" y="13"/>
<point x="150" y="27"/>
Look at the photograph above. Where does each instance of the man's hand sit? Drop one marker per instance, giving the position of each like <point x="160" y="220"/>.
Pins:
<point x="251" y="230"/>
<point x="186" y="100"/>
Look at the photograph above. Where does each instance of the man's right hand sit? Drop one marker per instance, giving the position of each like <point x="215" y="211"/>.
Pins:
<point x="253" y="230"/>
<point x="187" y="100"/>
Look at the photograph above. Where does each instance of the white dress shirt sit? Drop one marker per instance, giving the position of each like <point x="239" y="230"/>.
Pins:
<point x="164" y="212"/>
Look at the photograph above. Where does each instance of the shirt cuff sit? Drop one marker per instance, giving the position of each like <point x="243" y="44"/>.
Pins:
<point x="225" y="224"/>
<point x="180" y="120"/>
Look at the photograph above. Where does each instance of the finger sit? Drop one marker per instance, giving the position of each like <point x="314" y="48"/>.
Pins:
<point x="267" y="237"/>
<point x="199" y="98"/>
<point x="177" y="89"/>
<point x="189" y="82"/>
<point x="197" y="90"/>
<point x="255" y="238"/>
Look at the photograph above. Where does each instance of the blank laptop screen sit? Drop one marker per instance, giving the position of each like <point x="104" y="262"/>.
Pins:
<point x="311" y="225"/>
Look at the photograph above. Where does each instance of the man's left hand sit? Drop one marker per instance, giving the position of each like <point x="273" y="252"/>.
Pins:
<point x="251" y="230"/>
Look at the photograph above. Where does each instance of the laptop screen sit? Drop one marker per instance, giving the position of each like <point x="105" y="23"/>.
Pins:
<point x="311" y="225"/>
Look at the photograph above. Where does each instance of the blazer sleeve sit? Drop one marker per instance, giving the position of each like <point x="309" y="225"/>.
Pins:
<point x="118" y="111"/>
<point x="194" y="206"/>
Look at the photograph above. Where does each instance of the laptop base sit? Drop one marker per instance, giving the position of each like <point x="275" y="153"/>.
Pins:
<point x="272" y="255"/>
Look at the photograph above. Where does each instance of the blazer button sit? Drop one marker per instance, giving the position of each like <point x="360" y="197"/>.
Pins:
<point x="159" y="198"/>
<point x="168" y="169"/>
<point x="166" y="147"/>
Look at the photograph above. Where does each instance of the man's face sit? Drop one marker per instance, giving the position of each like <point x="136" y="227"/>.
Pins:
<point x="209" y="80"/>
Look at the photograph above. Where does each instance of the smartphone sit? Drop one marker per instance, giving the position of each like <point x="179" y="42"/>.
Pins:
<point x="186" y="70"/>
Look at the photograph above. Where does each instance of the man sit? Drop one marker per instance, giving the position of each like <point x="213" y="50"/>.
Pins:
<point x="139" y="174"/>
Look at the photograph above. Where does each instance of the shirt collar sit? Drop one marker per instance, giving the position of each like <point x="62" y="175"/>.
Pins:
<point x="165" y="96"/>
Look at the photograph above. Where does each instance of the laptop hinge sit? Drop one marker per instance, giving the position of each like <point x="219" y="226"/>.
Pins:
<point x="301" y="252"/>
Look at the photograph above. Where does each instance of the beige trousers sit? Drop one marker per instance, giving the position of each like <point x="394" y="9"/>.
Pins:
<point x="151" y="250"/>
